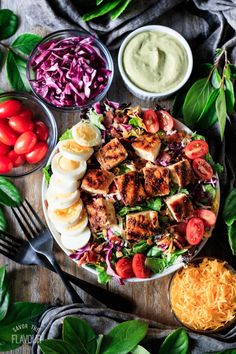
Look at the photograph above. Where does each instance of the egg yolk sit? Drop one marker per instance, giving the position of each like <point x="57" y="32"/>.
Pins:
<point x="86" y="132"/>
<point x="67" y="211"/>
<point x="74" y="147"/>
<point x="67" y="165"/>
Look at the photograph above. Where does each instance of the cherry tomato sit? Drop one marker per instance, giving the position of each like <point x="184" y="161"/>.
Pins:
<point x="41" y="130"/>
<point x="7" y="135"/>
<point x="38" y="153"/>
<point x="25" y="143"/>
<point x="151" y="121"/>
<point x="208" y="217"/>
<point x="166" y="121"/>
<point x="203" y="169"/>
<point x="10" y="108"/>
<point x="4" y="149"/>
<point x="5" y="164"/>
<point x="139" y="268"/>
<point x="17" y="160"/>
<point x="194" y="231"/>
<point x="196" y="149"/>
<point x="22" y="122"/>
<point x="124" y="268"/>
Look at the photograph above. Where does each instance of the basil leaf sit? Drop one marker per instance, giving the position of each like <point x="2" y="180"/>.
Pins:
<point x="103" y="277"/>
<point x="155" y="251"/>
<point x="57" y="346"/>
<point x="26" y="42"/>
<point x="154" y="204"/>
<point x="8" y="23"/>
<point x="229" y="210"/>
<point x="227" y="72"/>
<point x="9" y="194"/>
<point x="140" y="247"/>
<point x="47" y="171"/>
<point x="157" y="265"/>
<point x="232" y="237"/>
<point x="101" y="10"/>
<point x="221" y="111"/>
<point x="16" y="72"/>
<point x="216" y="79"/>
<point x="79" y="331"/>
<point x="119" y="9"/>
<point x="66" y="135"/>
<point x="4" y="293"/>
<point x="176" y="342"/>
<point x="124" y="337"/>
<point x="208" y="116"/>
<point x="140" y="350"/>
<point x="23" y="316"/>
<point x="229" y="95"/>
<point x="217" y="167"/>
<point x="3" y="221"/>
<point x="196" y="100"/>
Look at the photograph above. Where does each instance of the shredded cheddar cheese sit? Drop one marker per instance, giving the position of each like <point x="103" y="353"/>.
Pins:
<point x="203" y="297"/>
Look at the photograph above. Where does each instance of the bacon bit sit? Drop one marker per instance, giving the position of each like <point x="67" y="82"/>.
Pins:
<point x="119" y="254"/>
<point x="149" y="242"/>
<point x="108" y="119"/>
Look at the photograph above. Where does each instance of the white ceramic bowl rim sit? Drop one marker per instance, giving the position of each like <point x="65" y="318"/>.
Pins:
<point x="178" y="125"/>
<point x="162" y="29"/>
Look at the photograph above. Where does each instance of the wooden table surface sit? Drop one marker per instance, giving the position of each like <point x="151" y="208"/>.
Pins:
<point x="30" y="283"/>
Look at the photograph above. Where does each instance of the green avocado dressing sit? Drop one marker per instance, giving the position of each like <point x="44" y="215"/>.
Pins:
<point x="155" y="61"/>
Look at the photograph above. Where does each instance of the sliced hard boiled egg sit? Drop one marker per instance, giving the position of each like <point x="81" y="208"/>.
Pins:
<point x="57" y="185"/>
<point x="67" y="216"/>
<point x="75" y="229"/>
<point x="68" y="169"/>
<point x="71" y="150"/>
<point x="86" y="134"/>
<point x="62" y="200"/>
<point x="77" y="241"/>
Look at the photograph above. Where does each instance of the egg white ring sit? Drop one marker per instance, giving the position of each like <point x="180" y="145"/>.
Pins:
<point x="67" y="231"/>
<point x="76" y="242"/>
<point x="75" y="174"/>
<point x="57" y="185"/>
<point x="60" y="200"/>
<point x="75" y="156"/>
<point x="66" y="220"/>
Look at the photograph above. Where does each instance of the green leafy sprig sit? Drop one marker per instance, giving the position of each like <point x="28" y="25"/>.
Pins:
<point x="102" y="7"/>
<point x="211" y="99"/>
<point x="15" y="54"/>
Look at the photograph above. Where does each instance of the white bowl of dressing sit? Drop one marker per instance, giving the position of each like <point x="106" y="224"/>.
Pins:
<point x="154" y="62"/>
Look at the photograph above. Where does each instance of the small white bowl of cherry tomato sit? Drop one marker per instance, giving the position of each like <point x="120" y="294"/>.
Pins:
<point x="28" y="134"/>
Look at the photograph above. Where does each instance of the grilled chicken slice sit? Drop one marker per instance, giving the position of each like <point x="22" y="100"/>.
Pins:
<point x="180" y="206"/>
<point x="141" y="225"/>
<point x="147" y="147"/>
<point x="97" y="181"/>
<point x="130" y="188"/>
<point x="101" y="213"/>
<point x="181" y="173"/>
<point x="111" y="154"/>
<point x="156" y="180"/>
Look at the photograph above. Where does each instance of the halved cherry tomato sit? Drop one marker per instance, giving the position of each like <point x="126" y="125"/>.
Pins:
<point x="22" y="122"/>
<point x="124" y="268"/>
<point x="38" y="152"/>
<point x="139" y="268"/>
<point x="196" y="148"/>
<point x="151" y="122"/>
<point x="208" y="217"/>
<point x="25" y="143"/>
<point x="5" y="164"/>
<point x="7" y="135"/>
<point x="194" y="231"/>
<point x="3" y="149"/>
<point x="17" y="160"/>
<point x="10" y="108"/>
<point x="41" y="130"/>
<point x="166" y="121"/>
<point x="203" y="169"/>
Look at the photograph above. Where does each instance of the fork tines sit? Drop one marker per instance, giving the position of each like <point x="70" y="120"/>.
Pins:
<point x="28" y="219"/>
<point x="8" y="243"/>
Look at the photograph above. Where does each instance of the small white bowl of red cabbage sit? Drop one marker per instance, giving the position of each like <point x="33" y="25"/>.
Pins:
<point x="70" y="70"/>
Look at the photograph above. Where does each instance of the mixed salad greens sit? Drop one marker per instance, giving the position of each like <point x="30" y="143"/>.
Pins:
<point x="109" y="251"/>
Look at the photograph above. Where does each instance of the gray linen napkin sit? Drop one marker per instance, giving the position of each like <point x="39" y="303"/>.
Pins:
<point x="102" y="320"/>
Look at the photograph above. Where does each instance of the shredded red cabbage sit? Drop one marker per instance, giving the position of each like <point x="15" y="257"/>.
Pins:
<point x="69" y="72"/>
<point x="110" y="270"/>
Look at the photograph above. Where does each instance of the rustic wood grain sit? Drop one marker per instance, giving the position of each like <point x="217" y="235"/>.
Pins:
<point x="40" y="285"/>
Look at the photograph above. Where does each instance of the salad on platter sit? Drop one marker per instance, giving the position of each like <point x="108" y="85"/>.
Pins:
<point x="130" y="192"/>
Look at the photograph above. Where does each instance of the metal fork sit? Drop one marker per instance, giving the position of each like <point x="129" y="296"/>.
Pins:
<point x="21" y="252"/>
<point x="41" y="241"/>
